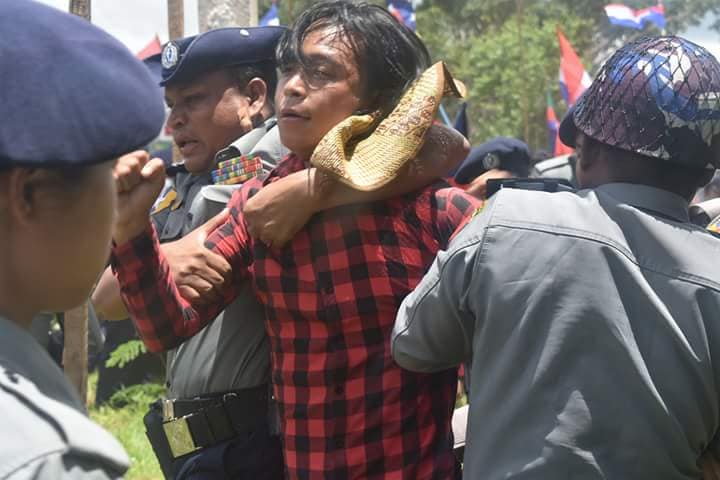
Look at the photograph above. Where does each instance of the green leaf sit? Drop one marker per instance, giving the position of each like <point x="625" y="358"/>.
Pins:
<point x="125" y="353"/>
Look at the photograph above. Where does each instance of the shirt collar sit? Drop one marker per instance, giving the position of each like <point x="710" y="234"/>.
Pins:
<point x="244" y="144"/>
<point x="290" y="164"/>
<point x="648" y="198"/>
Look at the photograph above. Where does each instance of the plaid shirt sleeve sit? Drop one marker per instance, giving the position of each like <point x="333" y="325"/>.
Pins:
<point x="453" y="209"/>
<point x="430" y="332"/>
<point x="164" y="319"/>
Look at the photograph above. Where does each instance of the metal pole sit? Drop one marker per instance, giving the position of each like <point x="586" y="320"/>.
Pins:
<point x="75" y="350"/>
<point x="176" y="18"/>
<point x="521" y="48"/>
<point x="253" y="13"/>
<point x="176" y="29"/>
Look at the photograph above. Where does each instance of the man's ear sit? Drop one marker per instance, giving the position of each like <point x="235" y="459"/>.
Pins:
<point x="586" y="153"/>
<point x="257" y="93"/>
<point x="21" y="189"/>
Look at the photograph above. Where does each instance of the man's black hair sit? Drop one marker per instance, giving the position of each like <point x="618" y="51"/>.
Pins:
<point x="631" y="167"/>
<point x="267" y="71"/>
<point x="389" y="55"/>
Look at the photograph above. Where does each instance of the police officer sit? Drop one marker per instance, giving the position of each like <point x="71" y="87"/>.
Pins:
<point x="590" y="318"/>
<point x="69" y="111"/>
<point x="501" y="157"/>
<point x="219" y="86"/>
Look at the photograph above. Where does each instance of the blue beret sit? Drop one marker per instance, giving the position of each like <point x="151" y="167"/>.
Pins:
<point x="71" y="93"/>
<point x="153" y="64"/>
<point x="185" y="58"/>
<point x="502" y="153"/>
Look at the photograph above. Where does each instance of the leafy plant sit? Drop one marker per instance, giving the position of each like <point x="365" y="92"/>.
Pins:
<point x="125" y="353"/>
<point x="141" y="395"/>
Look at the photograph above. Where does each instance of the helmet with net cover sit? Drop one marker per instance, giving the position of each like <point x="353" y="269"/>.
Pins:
<point x="658" y="97"/>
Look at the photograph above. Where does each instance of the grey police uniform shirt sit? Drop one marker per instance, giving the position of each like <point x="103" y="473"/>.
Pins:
<point x="44" y="433"/>
<point x="592" y="325"/>
<point x="232" y="352"/>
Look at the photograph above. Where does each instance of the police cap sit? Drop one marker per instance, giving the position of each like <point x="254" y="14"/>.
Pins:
<point x="188" y="57"/>
<point x="71" y="94"/>
<point x="502" y="153"/>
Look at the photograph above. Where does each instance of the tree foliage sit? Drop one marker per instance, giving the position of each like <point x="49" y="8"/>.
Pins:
<point x="507" y="54"/>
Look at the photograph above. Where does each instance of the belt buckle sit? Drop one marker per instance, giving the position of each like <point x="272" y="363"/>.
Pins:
<point x="179" y="438"/>
<point x="168" y="410"/>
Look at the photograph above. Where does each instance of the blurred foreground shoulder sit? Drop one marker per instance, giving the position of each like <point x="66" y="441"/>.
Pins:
<point x="42" y="438"/>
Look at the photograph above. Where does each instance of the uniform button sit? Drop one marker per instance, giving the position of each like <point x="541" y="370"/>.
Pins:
<point x="189" y="216"/>
<point x="13" y="377"/>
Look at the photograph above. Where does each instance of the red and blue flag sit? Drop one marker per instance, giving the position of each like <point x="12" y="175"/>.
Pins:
<point x="556" y="147"/>
<point x="271" y="17"/>
<point x="404" y="12"/>
<point x="625" y="16"/>
<point x="574" y="79"/>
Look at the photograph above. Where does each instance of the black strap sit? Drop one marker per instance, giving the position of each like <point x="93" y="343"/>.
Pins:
<point x="246" y="401"/>
<point x="212" y="420"/>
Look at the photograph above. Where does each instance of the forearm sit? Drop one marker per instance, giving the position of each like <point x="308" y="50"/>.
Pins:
<point x="107" y="299"/>
<point x="432" y="330"/>
<point x="163" y="318"/>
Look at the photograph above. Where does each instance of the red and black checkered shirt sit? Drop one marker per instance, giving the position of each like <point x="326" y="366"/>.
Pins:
<point x="331" y="295"/>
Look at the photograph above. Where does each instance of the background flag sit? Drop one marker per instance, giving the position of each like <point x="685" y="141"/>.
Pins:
<point x="463" y="126"/>
<point x="574" y="79"/>
<point x="152" y="48"/>
<point x="404" y="11"/>
<point x="555" y="145"/>
<point x="625" y="16"/>
<point x="271" y="17"/>
<point x="461" y="121"/>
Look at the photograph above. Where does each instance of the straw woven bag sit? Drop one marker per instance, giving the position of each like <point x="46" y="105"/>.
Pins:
<point x="366" y="151"/>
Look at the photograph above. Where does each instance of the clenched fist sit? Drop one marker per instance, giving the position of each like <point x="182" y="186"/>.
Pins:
<point x="139" y="181"/>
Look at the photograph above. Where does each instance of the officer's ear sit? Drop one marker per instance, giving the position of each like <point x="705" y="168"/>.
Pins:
<point x="257" y="93"/>
<point x="21" y="189"/>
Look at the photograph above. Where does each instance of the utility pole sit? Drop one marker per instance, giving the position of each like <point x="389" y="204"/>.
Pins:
<point x="176" y="29"/>
<point x="176" y="18"/>
<point x="75" y="327"/>
<point x="523" y="71"/>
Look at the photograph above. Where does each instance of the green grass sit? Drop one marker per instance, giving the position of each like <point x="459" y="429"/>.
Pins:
<point x="123" y="417"/>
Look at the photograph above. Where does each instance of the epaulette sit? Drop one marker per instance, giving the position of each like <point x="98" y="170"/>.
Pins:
<point x="714" y="227"/>
<point x="539" y="184"/>
<point x="552" y="163"/>
<point x="175" y="168"/>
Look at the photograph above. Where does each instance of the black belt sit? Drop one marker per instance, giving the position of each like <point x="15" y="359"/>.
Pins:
<point x="192" y="424"/>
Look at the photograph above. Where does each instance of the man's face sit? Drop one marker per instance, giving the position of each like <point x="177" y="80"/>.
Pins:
<point x="206" y="115"/>
<point x="311" y="101"/>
